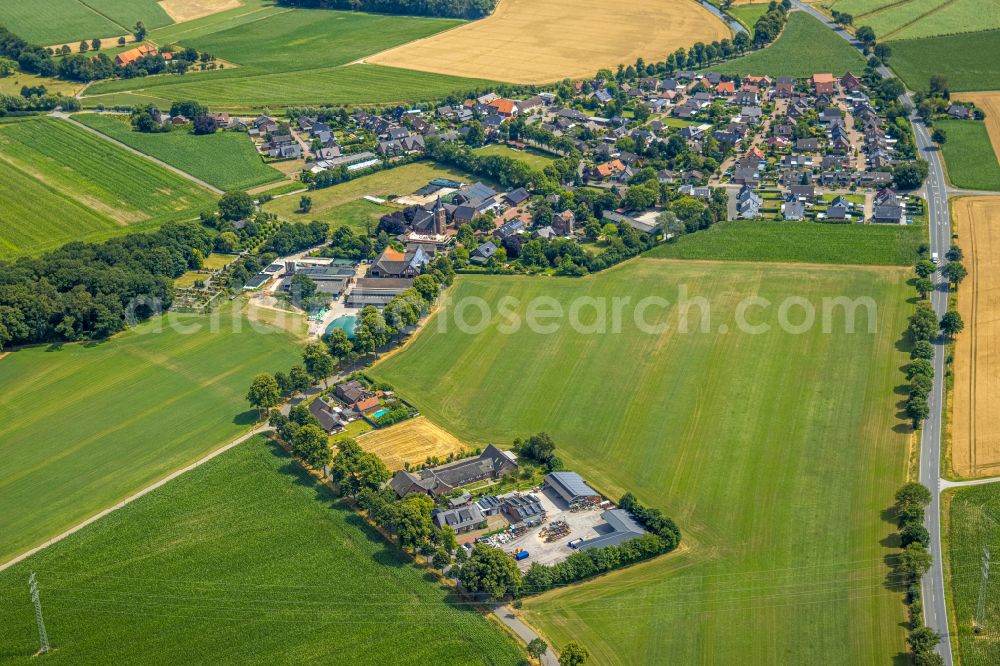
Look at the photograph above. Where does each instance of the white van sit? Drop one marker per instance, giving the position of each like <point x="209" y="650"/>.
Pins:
<point x="934" y="257"/>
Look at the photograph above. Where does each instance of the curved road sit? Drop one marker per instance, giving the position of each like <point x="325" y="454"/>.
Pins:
<point x="939" y="222"/>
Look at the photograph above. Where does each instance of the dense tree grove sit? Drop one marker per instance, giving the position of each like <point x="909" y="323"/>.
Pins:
<point x="467" y="9"/>
<point x="92" y="290"/>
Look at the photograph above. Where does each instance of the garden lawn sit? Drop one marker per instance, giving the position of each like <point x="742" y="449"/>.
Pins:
<point x="295" y="56"/>
<point x="533" y="158"/>
<point x="969" y="155"/>
<point x="775" y="452"/>
<point x="59" y="183"/>
<point x="808" y="242"/>
<point x="974" y="524"/>
<point x="83" y="426"/>
<point x="244" y="559"/>
<point x="962" y="59"/>
<point x="804" y="48"/>
<point x="227" y="160"/>
<point x="343" y="204"/>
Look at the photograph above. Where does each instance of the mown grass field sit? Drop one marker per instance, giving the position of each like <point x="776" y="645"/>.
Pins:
<point x="227" y="160"/>
<point x="805" y="47"/>
<point x="83" y="426"/>
<point x="808" y="242"/>
<point x="748" y="14"/>
<point x="913" y="19"/>
<point x="974" y="524"/>
<point x="534" y="158"/>
<point x="969" y="156"/>
<point x="244" y="559"/>
<point x="961" y="59"/>
<point x="775" y="452"/>
<point x="60" y="183"/>
<point x="11" y="85"/>
<point x="343" y="204"/>
<point x="292" y="56"/>
<point x="412" y="441"/>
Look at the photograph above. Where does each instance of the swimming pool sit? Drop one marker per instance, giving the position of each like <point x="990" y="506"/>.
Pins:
<point x="380" y="413"/>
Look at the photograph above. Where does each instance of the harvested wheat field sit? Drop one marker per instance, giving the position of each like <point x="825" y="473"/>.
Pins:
<point x="188" y="10"/>
<point x="988" y="101"/>
<point x="411" y="441"/>
<point x="538" y="41"/>
<point x="975" y="441"/>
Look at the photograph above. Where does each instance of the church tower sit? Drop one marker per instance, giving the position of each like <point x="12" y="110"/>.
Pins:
<point x="440" y="218"/>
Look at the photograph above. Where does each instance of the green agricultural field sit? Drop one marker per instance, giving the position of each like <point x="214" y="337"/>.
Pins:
<point x="912" y="19"/>
<point x="245" y="559"/>
<point x="974" y="524"/>
<point x="294" y="56"/>
<point x="60" y="183"/>
<point x="809" y="242"/>
<point x="969" y="156"/>
<point x="227" y="160"/>
<point x="759" y="445"/>
<point x="343" y="203"/>
<point x="58" y="21"/>
<point x="533" y="158"/>
<point x="83" y="426"/>
<point x="55" y="21"/>
<point x="960" y="58"/>
<point x="804" y="48"/>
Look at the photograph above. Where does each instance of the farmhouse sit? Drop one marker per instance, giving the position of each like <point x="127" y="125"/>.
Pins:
<point x="492" y="463"/>
<point x="571" y="487"/>
<point x="141" y="51"/>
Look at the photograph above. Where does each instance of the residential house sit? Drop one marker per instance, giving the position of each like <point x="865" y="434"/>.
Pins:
<point x="748" y="203"/>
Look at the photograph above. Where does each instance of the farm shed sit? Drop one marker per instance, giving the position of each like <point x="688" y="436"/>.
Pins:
<point x="571" y="487"/>
<point x="618" y="528"/>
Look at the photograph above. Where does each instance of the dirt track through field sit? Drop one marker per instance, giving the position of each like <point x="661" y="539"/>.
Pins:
<point x="988" y="101"/>
<point x="975" y="427"/>
<point x="538" y="41"/>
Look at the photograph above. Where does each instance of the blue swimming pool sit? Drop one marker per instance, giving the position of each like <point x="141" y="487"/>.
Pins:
<point x="380" y="413"/>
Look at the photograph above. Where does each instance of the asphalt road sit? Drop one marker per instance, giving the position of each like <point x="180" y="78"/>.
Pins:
<point x="939" y="221"/>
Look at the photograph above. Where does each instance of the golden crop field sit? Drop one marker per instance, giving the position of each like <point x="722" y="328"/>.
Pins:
<point x="975" y="421"/>
<point x="538" y="41"/>
<point x="988" y="101"/>
<point x="411" y="441"/>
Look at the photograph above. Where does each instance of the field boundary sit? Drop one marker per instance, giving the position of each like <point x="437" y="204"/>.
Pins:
<point x="134" y="496"/>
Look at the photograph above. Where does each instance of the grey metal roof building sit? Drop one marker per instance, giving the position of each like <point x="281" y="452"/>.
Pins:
<point x="622" y="528"/>
<point x="570" y="486"/>
<point x="461" y="519"/>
